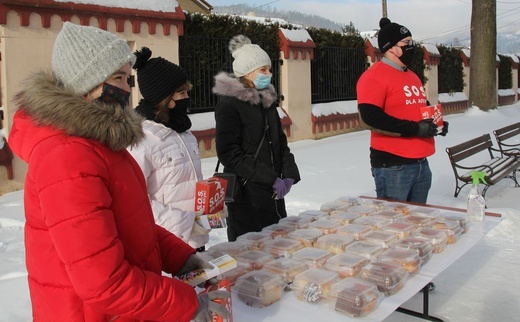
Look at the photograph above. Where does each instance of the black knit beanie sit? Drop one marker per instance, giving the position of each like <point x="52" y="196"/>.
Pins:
<point x="390" y="34"/>
<point x="157" y="77"/>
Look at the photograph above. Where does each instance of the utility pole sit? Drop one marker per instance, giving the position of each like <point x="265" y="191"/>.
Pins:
<point x="385" y="15"/>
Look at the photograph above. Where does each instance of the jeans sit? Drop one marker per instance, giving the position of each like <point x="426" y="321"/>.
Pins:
<point x="405" y="182"/>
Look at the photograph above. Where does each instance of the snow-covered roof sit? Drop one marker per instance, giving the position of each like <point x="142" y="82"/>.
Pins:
<point x="506" y="92"/>
<point x="151" y="5"/>
<point x="368" y="34"/>
<point x="338" y="107"/>
<point x="432" y="49"/>
<point x="466" y="52"/>
<point x="452" y="97"/>
<point x="513" y="57"/>
<point x="373" y="41"/>
<point x="296" y="35"/>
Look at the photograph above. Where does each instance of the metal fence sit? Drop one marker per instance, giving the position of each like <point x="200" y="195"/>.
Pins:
<point x="335" y="72"/>
<point x="203" y="58"/>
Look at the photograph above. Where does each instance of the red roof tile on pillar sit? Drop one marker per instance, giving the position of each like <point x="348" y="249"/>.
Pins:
<point x="288" y="46"/>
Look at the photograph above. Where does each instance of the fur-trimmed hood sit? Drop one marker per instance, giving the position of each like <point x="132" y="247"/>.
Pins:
<point x="49" y="104"/>
<point x="228" y="85"/>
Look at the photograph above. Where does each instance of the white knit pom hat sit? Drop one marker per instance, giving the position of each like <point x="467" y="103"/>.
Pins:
<point x="248" y="57"/>
<point x="84" y="56"/>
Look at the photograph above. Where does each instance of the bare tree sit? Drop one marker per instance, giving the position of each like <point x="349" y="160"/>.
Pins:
<point x="483" y="88"/>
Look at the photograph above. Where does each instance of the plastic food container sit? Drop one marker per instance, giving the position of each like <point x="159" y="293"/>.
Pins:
<point x="350" y="201"/>
<point x="312" y="256"/>
<point x="297" y="222"/>
<point x="354" y="297"/>
<point x="437" y="237"/>
<point x="231" y="248"/>
<point x="313" y="215"/>
<point x="390" y="215"/>
<point x="460" y="217"/>
<point x="400" y="229"/>
<point x="287" y="268"/>
<point x="278" y="230"/>
<point x="433" y="212"/>
<point x="346" y="264"/>
<point x="384" y="238"/>
<point x="307" y="237"/>
<point x="389" y="277"/>
<point x="334" y="243"/>
<point x="256" y="258"/>
<point x="327" y="226"/>
<point x="451" y="227"/>
<point x="362" y="210"/>
<point x="233" y="274"/>
<point x="333" y="206"/>
<point x="259" y="288"/>
<point x="408" y="259"/>
<point x="314" y="284"/>
<point x="374" y="222"/>
<point x="421" y="245"/>
<point x="255" y="240"/>
<point x="373" y="203"/>
<point x="418" y="219"/>
<point x="282" y="247"/>
<point x="366" y="249"/>
<point x="398" y="207"/>
<point x="343" y="217"/>
<point x="354" y="230"/>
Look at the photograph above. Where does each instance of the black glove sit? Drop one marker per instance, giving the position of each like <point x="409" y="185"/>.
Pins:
<point x="207" y="306"/>
<point x="427" y="129"/>
<point x="444" y="129"/>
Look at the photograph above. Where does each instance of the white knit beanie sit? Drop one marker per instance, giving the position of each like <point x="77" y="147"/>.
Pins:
<point x="84" y="56"/>
<point x="248" y="57"/>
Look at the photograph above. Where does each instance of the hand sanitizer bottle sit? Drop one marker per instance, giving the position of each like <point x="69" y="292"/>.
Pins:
<point x="476" y="203"/>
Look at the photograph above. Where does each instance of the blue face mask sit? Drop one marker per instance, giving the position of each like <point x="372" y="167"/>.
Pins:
<point x="262" y="81"/>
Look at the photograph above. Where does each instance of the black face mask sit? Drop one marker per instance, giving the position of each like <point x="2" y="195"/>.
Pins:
<point x="408" y="54"/>
<point x="178" y="116"/>
<point x="114" y="95"/>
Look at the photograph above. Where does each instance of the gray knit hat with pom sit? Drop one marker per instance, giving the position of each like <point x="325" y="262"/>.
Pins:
<point x="84" y="56"/>
<point x="248" y="56"/>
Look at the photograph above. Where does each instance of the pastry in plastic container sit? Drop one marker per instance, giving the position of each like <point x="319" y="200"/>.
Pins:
<point x="334" y="205"/>
<point x="296" y="221"/>
<point x="354" y="230"/>
<point x="460" y="217"/>
<point x="421" y="245"/>
<point x="256" y="258"/>
<point x="368" y="250"/>
<point x="327" y="226"/>
<point x="418" y="219"/>
<point x="451" y="227"/>
<point x="375" y="222"/>
<point x="390" y="278"/>
<point x="401" y="229"/>
<point x="314" y="284"/>
<point x="313" y="215"/>
<point x="373" y="203"/>
<point x="287" y="268"/>
<point x="255" y="240"/>
<point x="384" y="238"/>
<point x="350" y="201"/>
<point x="362" y="210"/>
<point x="307" y="237"/>
<point x="398" y="207"/>
<point x="259" y="288"/>
<point x="437" y="237"/>
<point x="334" y="243"/>
<point x="390" y="215"/>
<point x="429" y="211"/>
<point x="231" y="248"/>
<point x="282" y="247"/>
<point x="408" y="259"/>
<point x="233" y="274"/>
<point x="278" y="230"/>
<point x="343" y="217"/>
<point x="354" y="297"/>
<point x="346" y="264"/>
<point x="312" y="256"/>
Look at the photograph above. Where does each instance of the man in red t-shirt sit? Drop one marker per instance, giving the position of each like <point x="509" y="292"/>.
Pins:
<point x="390" y="97"/>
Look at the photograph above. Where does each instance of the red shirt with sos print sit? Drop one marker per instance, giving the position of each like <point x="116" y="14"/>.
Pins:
<point x="399" y="94"/>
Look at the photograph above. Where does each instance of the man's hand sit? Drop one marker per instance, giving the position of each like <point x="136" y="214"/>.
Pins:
<point x="427" y="129"/>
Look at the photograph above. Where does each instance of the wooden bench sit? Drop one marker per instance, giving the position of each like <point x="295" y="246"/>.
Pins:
<point x="508" y="148"/>
<point x="465" y="157"/>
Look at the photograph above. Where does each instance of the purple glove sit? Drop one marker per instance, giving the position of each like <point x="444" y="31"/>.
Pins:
<point x="288" y="184"/>
<point x="279" y="188"/>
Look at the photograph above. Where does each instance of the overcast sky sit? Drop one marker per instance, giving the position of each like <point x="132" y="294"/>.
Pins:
<point x="425" y="18"/>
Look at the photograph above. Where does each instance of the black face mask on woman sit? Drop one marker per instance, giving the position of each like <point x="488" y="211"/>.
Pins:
<point x="114" y="95"/>
<point x="408" y="54"/>
<point x="178" y="116"/>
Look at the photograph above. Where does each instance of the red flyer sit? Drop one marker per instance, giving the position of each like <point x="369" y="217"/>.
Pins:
<point x="210" y="195"/>
<point x="433" y="112"/>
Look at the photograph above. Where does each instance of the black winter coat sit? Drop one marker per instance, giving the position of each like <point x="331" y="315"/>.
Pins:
<point x="240" y="122"/>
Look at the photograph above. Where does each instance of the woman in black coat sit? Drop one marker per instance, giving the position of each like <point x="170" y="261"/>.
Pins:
<point x="246" y="113"/>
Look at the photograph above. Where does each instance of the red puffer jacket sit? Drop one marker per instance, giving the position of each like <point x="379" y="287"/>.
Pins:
<point x="93" y="250"/>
